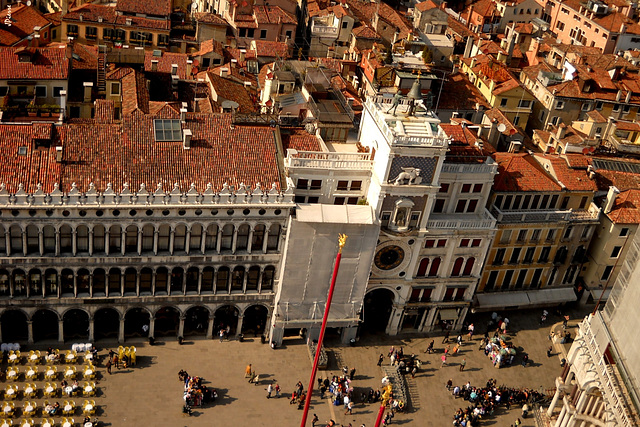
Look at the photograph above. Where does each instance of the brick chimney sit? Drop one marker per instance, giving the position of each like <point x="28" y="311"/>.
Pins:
<point x="88" y="87"/>
<point x="611" y="198"/>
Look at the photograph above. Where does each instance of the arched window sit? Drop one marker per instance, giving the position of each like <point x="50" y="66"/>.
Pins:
<point x="227" y="237"/>
<point x="222" y="281"/>
<point x="65" y="239"/>
<point x="164" y="233"/>
<point x="33" y="243"/>
<point x="237" y="279"/>
<point x="99" y="282"/>
<point x="457" y="266"/>
<point x="243" y="237"/>
<point x="114" y="281"/>
<point x="252" y="278"/>
<point x="210" y="244"/>
<point x="3" y="242"/>
<point x="268" y="276"/>
<point x="468" y="267"/>
<point x="435" y="265"/>
<point x="130" y="276"/>
<point x="196" y="238"/>
<point x="82" y="236"/>
<point x="147" y="238"/>
<point x="258" y="238"/>
<point x="179" y="238"/>
<point x="49" y="235"/>
<point x="98" y="239"/>
<point x="422" y="268"/>
<point x="115" y="238"/>
<point x="16" y="239"/>
<point x="146" y="276"/>
<point x="131" y="239"/>
<point x="274" y="236"/>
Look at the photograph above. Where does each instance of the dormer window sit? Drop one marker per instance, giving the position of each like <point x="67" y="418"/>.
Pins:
<point x="167" y="130"/>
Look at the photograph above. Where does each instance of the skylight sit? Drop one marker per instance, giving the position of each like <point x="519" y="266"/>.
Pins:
<point x="167" y="130"/>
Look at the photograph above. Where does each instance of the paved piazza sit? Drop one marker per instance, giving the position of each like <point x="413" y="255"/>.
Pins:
<point x="150" y="393"/>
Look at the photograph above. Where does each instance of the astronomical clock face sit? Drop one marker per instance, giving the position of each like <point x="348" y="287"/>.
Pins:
<point x="389" y="257"/>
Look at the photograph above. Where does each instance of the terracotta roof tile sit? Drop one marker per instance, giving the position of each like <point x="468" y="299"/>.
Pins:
<point x="573" y="179"/>
<point x="23" y="20"/>
<point x="87" y="57"/>
<point x="461" y="94"/>
<point x="147" y="7"/>
<point x="135" y="95"/>
<point x="365" y="32"/>
<point x="104" y="111"/>
<point x="233" y="91"/>
<point x="273" y="15"/>
<point x="91" y="12"/>
<point x="271" y="49"/>
<point x="426" y="5"/>
<point x="7" y="38"/>
<point x="626" y="208"/>
<point x="299" y="139"/>
<point x="166" y="61"/>
<point x="521" y="172"/>
<point x="209" y="18"/>
<point x="46" y="64"/>
<point x="144" y="23"/>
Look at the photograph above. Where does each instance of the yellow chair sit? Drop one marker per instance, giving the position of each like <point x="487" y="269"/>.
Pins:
<point x="133" y="356"/>
<point x="70" y="372"/>
<point x="13" y="373"/>
<point x="35" y="356"/>
<point x="29" y="408"/>
<point x="88" y="389"/>
<point x="89" y="372"/>
<point x="31" y="373"/>
<point x="9" y="409"/>
<point x="30" y="390"/>
<point x="10" y="392"/>
<point x="6" y="422"/>
<point x="67" y="422"/>
<point x="50" y="390"/>
<point x="69" y="407"/>
<point x="14" y="357"/>
<point x="25" y="423"/>
<point x="47" y="422"/>
<point x="70" y="356"/>
<point x="51" y="373"/>
<point x="120" y="352"/>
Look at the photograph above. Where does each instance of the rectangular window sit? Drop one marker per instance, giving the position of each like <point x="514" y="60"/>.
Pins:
<point x="506" y="236"/>
<point x="263" y="34"/>
<point x="535" y="280"/>
<point x="91" y="33"/>
<point x="554" y="201"/>
<point x="72" y="30"/>
<point x="506" y="280"/>
<point x="302" y="184"/>
<point x="466" y="188"/>
<point x="607" y="272"/>
<point x="507" y="203"/>
<point x="524" y="104"/>
<point x="616" y="108"/>
<point x="438" y="206"/>
<point x="545" y="201"/>
<point x="316" y="184"/>
<point x="551" y="234"/>
<point x="624" y="232"/>
<point x="339" y="201"/>
<point x="567" y="232"/>
<point x="471" y="207"/>
<point x="345" y="24"/>
<point x="460" y="206"/>
<point x="585" y="232"/>
<point x="167" y="129"/>
<point x="522" y="274"/>
<point x="559" y="105"/>
<point x="535" y="235"/>
<point x="491" y="281"/>
<point x="522" y="235"/>
<point x="115" y="88"/>
<point x="442" y="243"/>
<point x="528" y="256"/>
<point x="41" y="91"/>
<point x="242" y="32"/>
<point x="444" y="188"/>
<point x="503" y="102"/>
<point x="498" y="202"/>
<point x="477" y="188"/>
<point x="525" y="202"/>
<point x="544" y="254"/>
<point x="464" y="243"/>
<point x="583" y="202"/>
<point x="516" y="202"/>
<point x="313" y="200"/>
<point x="476" y="243"/>
<point x="343" y="185"/>
<point x="616" y="251"/>
<point x="565" y="203"/>
<point x="599" y="105"/>
<point x="515" y="256"/>
<point x="499" y="258"/>
<point x="516" y="120"/>
<point x="4" y="90"/>
<point x="429" y="243"/>
<point x="352" y="201"/>
<point x="356" y="185"/>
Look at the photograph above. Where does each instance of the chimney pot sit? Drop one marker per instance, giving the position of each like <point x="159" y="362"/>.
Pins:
<point x="186" y="139"/>
<point x="611" y="198"/>
<point x="58" y="154"/>
<point x="154" y="65"/>
<point x="183" y="114"/>
<point x="224" y="72"/>
<point x="174" y="69"/>
<point x="88" y="86"/>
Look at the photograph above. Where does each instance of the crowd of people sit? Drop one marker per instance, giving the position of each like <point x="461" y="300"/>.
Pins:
<point x="485" y="400"/>
<point x="195" y="393"/>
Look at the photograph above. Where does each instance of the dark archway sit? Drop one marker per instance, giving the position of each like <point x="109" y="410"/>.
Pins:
<point x="167" y="322"/>
<point x="76" y="325"/>
<point x="255" y="319"/>
<point x="377" y="309"/>
<point x="45" y="325"/>
<point x="196" y="321"/>
<point x="134" y="320"/>
<point x="106" y="324"/>
<point x="14" y="326"/>
<point x="227" y="315"/>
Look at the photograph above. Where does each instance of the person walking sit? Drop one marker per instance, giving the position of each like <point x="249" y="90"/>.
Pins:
<point x="525" y="360"/>
<point x="380" y="359"/>
<point x="349" y="409"/>
<point x="109" y="366"/>
<point x="459" y="339"/>
<point x="221" y="334"/>
<point x="269" y="391"/>
<point x="346" y="401"/>
<point x="463" y="364"/>
<point x="314" y="420"/>
<point x="471" y="328"/>
<point x="247" y="371"/>
<point x="277" y="389"/>
<point x="444" y="360"/>
<point x="446" y="337"/>
<point x="352" y="374"/>
<point x="430" y="348"/>
<point x="549" y="350"/>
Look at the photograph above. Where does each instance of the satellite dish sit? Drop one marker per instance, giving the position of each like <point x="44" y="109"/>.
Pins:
<point x="512" y="132"/>
<point x="585" y="150"/>
<point x="502" y="127"/>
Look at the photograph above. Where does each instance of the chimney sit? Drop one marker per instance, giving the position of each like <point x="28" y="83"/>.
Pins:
<point x="224" y="72"/>
<point x="36" y="40"/>
<point x="493" y="131"/>
<point x="480" y="131"/>
<point x="128" y="21"/>
<point x="444" y="5"/>
<point x="80" y="17"/>
<point x="492" y="86"/>
<point x="247" y="84"/>
<point x="174" y="69"/>
<point x="186" y="139"/>
<point x="189" y="67"/>
<point x="611" y="198"/>
<point x="63" y="105"/>
<point x="65" y="7"/>
<point x="234" y="63"/>
<point x="58" y="154"/>
<point x="502" y="57"/>
<point x="88" y="86"/>
<point x="350" y="102"/>
<point x="183" y="114"/>
<point x="628" y="97"/>
<point x="243" y="54"/>
<point x="473" y="63"/>
<point x="561" y="132"/>
<point x="154" y="65"/>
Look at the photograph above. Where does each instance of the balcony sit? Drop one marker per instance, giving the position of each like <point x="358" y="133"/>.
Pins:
<point x="482" y="221"/>
<point x="420" y="130"/>
<point x="326" y="28"/>
<point x="625" y="145"/>
<point x="590" y="215"/>
<point x="488" y="167"/>
<point x="541" y="216"/>
<point x="326" y="160"/>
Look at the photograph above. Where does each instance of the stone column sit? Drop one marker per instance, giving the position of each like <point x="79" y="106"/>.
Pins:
<point x="187" y="241"/>
<point x="24" y="242"/>
<point x="266" y="239"/>
<point x="394" y="320"/>
<point x="219" y="239"/>
<point x="249" y="242"/>
<point x="75" y="283"/>
<point x="7" y="243"/>
<point x="239" y="325"/>
<point x="203" y="241"/>
<point x="554" y="402"/>
<point x="210" y="328"/>
<point x="155" y="242"/>
<point x="91" y="330"/>
<point x="123" y="240"/>
<point x="121" y="331"/>
<point x="41" y="241"/>
<point x="1" y="332"/>
<point x="139" y="241"/>
<point x="91" y="241"/>
<point x="199" y="281"/>
<point x="91" y="284"/>
<point x="30" y="331"/>
<point x="137" y="283"/>
<point x="57" y="243"/>
<point x="181" y="327"/>
<point x="107" y="240"/>
<point x="215" y="280"/>
<point x="234" y="240"/>
<point x="122" y="276"/>
<point x="563" y="412"/>
<point x="74" y="241"/>
<point x="171" y="240"/>
<point x="60" y="328"/>
<point x="245" y="278"/>
<point x="260" y="279"/>
<point x="153" y="282"/>
<point x="152" y="325"/>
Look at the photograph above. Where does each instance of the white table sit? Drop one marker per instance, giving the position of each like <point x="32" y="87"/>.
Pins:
<point x="34" y="357"/>
<point x="69" y="373"/>
<point x="7" y="409"/>
<point x="68" y="408"/>
<point x="46" y="425"/>
<point x="88" y="372"/>
<point x="7" y="425"/>
<point x="88" y="424"/>
<point x="10" y="391"/>
<point x="68" y="389"/>
<point x="88" y="356"/>
<point x="26" y="424"/>
<point x="11" y="373"/>
<point x="28" y="390"/>
<point x="89" y="407"/>
<point x="88" y="389"/>
<point x="70" y="356"/>
<point x="29" y="408"/>
<point x="49" y="389"/>
<point x="67" y="424"/>
<point x="31" y="373"/>
<point x="51" y="373"/>
<point x="13" y="357"/>
<point x="51" y="356"/>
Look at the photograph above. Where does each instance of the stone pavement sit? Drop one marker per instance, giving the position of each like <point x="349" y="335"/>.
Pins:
<point x="150" y="393"/>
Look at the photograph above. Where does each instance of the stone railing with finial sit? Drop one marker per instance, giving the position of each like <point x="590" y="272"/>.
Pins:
<point x="242" y="195"/>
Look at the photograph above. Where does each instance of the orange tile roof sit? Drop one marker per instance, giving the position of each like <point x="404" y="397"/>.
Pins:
<point x="273" y="15"/>
<point x="482" y="7"/>
<point x="272" y="49"/>
<point x="7" y="38"/>
<point x="147" y="7"/>
<point x="209" y="18"/>
<point x="46" y="64"/>
<point x="135" y="95"/>
<point x="91" y="12"/>
<point x="577" y="161"/>
<point x="572" y="179"/>
<point x="463" y="148"/>
<point x="234" y="91"/>
<point x="626" y="208"/>
<point x="23" y="19"/>
<point x="166" y="61"/>
<point x="365" y="32"/>
<point x="426" y="5"/>
<point x="521" y="172"/>
<point x="299" y="139"/>
<point x="460" y="94"/>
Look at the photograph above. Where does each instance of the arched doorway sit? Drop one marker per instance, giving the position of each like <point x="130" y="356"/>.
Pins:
<point x="377" y="309"/>
<point x="196" y="321"/>
<point x="14" y="326"/>
<point x="106" y="324"/>
<point x="167" y="322"/>
<point x="255" y="319"/>
<point x="227" y="315"/>
<point x="76" y="325"/>
<point x="45" y="325"/>
<point x="134" y="320"/>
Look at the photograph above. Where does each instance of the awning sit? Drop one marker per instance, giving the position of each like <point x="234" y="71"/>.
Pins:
<point x="551" y="296"/>
<point x="448" y="314"/>
<point x="502" y="299"/>
<point x="595" y="294"/>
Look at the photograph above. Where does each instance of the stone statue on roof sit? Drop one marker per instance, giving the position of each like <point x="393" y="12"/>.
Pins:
<point x="394" y="104"/>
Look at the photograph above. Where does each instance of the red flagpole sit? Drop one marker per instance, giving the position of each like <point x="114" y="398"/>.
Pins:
<point x="341" y="241"/>
<point x="380" y="414"/>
